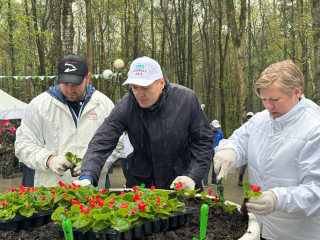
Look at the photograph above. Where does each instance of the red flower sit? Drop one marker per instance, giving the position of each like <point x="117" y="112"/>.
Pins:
<point x="134" y="209"/>
<point x="43" y="197"/>
<point x="179" y="186"/>
<point x="4" y="203"/>
<point x="28" y="207"/>
<point x="209" y="191"/>
<point x="110" y="205"/>
<point x="152" y="188"/>
<point x="52" y="199"/>
<point x="217" y="199"/>
<point x="111" y="200"/>
<point x="33" y="190"/>
<point x="87" y="198"/>
<point x="79" y="202"/>
<point x="64" y="195"/>
<point x="61" y="184"/>
<point x="142" y="206"/>
<point x="158" y="201"/>
<point x="82" y="206"/>
<point x="53" y="192"/>
<point x="255" y="188"/>
<point x="92" y="203"/>
<point x="122" y="193"/>
<point x="132" y="212"/>
<point x="135" y="189"/>
<point x="124" y="205"/>
<point x="136" y="198"/>
<point x="103" y="191"/>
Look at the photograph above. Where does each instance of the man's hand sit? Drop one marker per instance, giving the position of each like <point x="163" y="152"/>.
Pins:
<point x="77" y="169"/>
<point x="59" y="164"/>
<point x="187" y="182"/>
<point x="263" y="205"/>
<point x="224" y="159"/>
<point x="83" y="182"/>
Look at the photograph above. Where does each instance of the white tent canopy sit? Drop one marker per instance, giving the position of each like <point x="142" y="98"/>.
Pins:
<point x="7" y="102"/>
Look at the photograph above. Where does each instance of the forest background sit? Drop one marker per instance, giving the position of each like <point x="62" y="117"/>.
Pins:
<point x="217" y="48"/>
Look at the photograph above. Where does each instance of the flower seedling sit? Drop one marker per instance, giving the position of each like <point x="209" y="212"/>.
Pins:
<point x="249" y="192"/>
<point x="74" y="159"/>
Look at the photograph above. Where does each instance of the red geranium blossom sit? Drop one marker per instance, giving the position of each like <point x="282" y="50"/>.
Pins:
<point x="217" y="199"/>
<point x="122" y="193"/>
<point x="110" y="205"/>
<point x="152" y="188"/>
<point x="255" y="188"/>
<point x="135" y="189"/>
<point x="158" y="201"/>
<point x="136" y="198"/>
<point x="64" y="195"/>
<point x="209" y="191"/>
<point x="124" y="205"/>
<point x="142" y="206"/>
<point x="43" y="197"/>
<point x="179" y="186"/>
<point x="4" y="203"/>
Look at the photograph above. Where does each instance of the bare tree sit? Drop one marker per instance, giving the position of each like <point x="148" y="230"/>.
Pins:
<point x="89" y="28"/>
<point x="67" y="25"/>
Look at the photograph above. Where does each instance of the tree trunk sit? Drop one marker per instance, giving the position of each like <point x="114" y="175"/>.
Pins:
<point x="250" y="75"/>
<point x="89" y="28"/>
<point x="238" y="36"/>
<point x="56" y="34"/>
<point x="190" y="42"/>
<point x="11" y="47"/>
<point x="153" y="47"/>
<point x="316" y="48"/>
<point x="67" y="25"/>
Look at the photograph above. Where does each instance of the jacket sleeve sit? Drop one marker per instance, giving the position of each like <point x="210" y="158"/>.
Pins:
<point x="30" y="144"/>
<point x="304" y="199"/>
<point x="201" y="142"/>
<point x="103" y="143"/>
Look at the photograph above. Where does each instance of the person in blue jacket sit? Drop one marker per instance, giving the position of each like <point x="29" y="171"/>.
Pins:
<point x="217" y="136"/>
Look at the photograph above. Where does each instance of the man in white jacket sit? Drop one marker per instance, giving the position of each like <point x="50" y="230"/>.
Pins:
<point x="60" y="120"/>
<point x="281" y="147"/>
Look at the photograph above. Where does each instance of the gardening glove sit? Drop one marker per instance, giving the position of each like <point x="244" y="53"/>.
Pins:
<point x="77" y="169"/>
<point x="60" y="164"/>
<point x="224" y="159"/>
<point x="265" y="204"/>
<point x="187" y="182"/>
<point x="83" y="182"/>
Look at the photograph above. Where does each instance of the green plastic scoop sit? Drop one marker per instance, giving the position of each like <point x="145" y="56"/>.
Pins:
<point x="67" y="229"/>
<point x="203" y="222"/>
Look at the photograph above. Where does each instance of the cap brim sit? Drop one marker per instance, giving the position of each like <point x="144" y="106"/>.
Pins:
<point x="139" y="82"/>
<point x="216" y="126"/>
<point x="67" y="78"/>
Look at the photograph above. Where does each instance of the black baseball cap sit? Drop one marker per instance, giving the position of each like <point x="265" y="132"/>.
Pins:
<point x="72" y="69"/>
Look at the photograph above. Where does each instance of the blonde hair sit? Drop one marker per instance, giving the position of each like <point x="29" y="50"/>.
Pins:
<point x="285" y="73"/>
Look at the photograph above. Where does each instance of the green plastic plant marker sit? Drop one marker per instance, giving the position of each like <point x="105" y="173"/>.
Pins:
<point x="142" y="185"/>
<point x="67" y="229"/>
<point x="203" y="221"/>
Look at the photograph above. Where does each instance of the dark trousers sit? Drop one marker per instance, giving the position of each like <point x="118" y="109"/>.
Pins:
<point x="125" y="167"/>
<point x="243" y="169"/>
<point x="206" y="174"/>
<point x="28" y="175"/>
<point x="108" y="183"/>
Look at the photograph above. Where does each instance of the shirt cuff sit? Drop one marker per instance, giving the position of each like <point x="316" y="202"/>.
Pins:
<point x="87" y="177"/>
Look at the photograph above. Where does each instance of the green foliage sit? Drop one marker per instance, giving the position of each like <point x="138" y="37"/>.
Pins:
<point x="72" y="158"/>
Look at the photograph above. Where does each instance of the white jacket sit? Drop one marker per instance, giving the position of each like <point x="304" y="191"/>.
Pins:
<point x="127" y="147"/>
<point x="284" y="156"/>
<point x="49" y="129"/>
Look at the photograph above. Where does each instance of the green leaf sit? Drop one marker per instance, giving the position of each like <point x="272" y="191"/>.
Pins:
<point x="30" y="199"/>
<point x="62" y="216"/>
<point x="56" y="212"/>
<point x="122" y="224"/>
<point x="104" y="216"/>
<point x="27" y="212"/>
<point x="81" y="222"/>
<point x="246" y="186"/>
<point x="3" y="213"/>
<point x="58" y="198"/>
<point x="257" y="194"/>
<point x="75" y="209"/>
<point x="81" y="195"/>
<point x="89" y="187"/>
<point x="98" y="225"/>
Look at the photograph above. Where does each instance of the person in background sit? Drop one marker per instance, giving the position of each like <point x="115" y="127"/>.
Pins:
<point x="8" y="139"/>
<point x="4" y="121"/>
<point x="127" y="149"/>
<point x="167" y="128"/>
<point x="243" y="167"/>
<point x="281" y="147"/>
<point x="217" y="137"/>
<point x="60" y="120"/>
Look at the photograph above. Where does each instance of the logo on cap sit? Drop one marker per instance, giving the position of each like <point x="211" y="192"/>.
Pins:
<point x="67" y="63"/>
<point x="139" y="66"/>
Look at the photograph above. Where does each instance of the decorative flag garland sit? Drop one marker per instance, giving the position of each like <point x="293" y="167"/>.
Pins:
<point x="96" y="76"/>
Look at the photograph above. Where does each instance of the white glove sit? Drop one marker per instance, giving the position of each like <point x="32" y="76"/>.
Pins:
<point x="83" y="182"/>
<point x="59" y="164"/>
<point x="224" y="159"/>
<point x="77" y="169"/>
<point x="263" y="205"/>
<point x="187" y="182"/>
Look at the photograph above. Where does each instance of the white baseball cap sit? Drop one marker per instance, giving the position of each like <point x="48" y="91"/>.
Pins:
<point x="215" y="123"/>
<point x="143" y="71"/>
<point x="250" y="114"/>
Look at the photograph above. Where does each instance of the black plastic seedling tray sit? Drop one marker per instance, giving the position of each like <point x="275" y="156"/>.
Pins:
<point x="23" y="223"/>
<point x="148" y="227"/>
